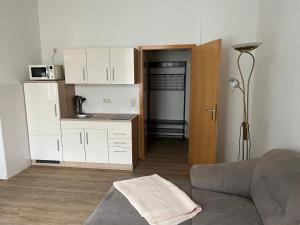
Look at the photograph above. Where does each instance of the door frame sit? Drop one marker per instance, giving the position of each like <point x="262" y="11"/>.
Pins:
<point x="142" y="50"/>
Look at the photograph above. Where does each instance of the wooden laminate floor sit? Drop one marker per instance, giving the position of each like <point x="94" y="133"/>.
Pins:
<point x="66" y="196"/>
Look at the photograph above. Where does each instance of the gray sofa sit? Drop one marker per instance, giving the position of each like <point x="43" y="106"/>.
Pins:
<point x="263" y="191"/>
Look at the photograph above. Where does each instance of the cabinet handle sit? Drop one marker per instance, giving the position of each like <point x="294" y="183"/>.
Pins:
<point x="55" y="110"/>
<point x="120" y="134"/>
<point x="106" y="74"/>
<point x="124" y="151"/>
<point x="113" y="75"/>
<point x="87" y="137"/>
<point x="83" y="74"/>
<point x="57" y="142"/>
<point x="120" y="143"/>
<point x="80" y="138"/>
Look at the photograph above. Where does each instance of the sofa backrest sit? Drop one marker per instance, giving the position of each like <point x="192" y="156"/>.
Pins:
<point x="275" y="186"/>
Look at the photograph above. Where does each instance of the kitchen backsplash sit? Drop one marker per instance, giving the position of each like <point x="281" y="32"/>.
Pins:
<point x="109" y="99"/>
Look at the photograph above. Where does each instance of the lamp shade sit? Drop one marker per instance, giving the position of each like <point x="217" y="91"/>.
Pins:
<point x="246" y="47"/>
<point x="234" y="83"/>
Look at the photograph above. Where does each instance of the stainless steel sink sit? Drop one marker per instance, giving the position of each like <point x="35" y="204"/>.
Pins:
<point x="82" y="116"/>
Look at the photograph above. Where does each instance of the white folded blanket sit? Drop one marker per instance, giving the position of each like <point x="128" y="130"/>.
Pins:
<point x="157" y="200"/>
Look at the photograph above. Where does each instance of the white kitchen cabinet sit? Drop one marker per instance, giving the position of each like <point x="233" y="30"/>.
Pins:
<point x="46" y="103"/>
<point x="42" y="108"/>
<point x="73" y="145"/>
<point x="105" y="143"/>
<point x="85" y="145"/>
<point x="96" y="146"/>
<point x="122" y="65"/>
<point x="98" y="67"/>
<point x="45" y="147"/>
<point x="119" y="155"/>
<point x="75" y="66"/>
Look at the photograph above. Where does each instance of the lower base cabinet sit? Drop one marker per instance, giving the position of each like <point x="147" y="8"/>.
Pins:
<point x="73" y="145"/>
<point x="100" y="144"/>
<point x="45" y="147"/>
<point x="96" y="147"/>
<point x="85" y="145"/>
<point x="119" y="155"/>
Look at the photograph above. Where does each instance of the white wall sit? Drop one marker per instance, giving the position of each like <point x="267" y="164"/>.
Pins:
<point x="123" y="98"/>
<point x="234" y="21"/>
<point x="92" y="23"/>
<point x="20" y="46"/>
<point x="276" y="108"/>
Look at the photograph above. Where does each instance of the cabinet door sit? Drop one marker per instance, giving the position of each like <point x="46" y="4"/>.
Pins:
<point x="122" y="65"/>
<point x="42" y="108"/>
<point x="118" y="155"/>
<point x="75" y="66"/>
<point x="96" y="146"/>
<point x="44" y="147"/>
<point x="98" y="65"/>
<point x="73" y="145"/>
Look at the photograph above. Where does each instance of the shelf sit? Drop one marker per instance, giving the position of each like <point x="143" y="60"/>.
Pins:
<point x="167" y="64"/>
<point x="173" y="122"/>
<point x="167" y="130"/>
<point x="167" y="82"/>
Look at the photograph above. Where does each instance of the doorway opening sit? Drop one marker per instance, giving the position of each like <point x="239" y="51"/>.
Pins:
<point x="198" y="118"/>
<point x="167" y="76"/>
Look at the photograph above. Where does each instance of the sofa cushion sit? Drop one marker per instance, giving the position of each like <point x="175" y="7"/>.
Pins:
<point x="224" y="209"/>
<point x="115" y="209"/>
<point x="276" y="177"/>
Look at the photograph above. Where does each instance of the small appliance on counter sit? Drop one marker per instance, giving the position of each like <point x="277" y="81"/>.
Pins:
<point x="78" y="112"/>
<point x="46" y="72"/>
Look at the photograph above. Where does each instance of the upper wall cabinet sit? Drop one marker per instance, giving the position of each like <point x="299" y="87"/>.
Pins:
<point x="75" y="66"/>
<point x="122" y="65"/>
<point x="100" y="66"/>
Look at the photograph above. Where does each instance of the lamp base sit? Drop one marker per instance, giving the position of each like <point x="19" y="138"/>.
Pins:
<point x="245" y="143"/>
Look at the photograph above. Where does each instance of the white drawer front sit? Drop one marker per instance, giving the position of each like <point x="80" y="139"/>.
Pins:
<point x="119" y="133"/>
<point x="119" y="155"/>
<point x="123" y="143"/>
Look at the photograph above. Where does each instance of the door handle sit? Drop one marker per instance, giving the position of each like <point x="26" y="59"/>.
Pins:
<point x="213" y="112"/>
<point x="80" y="135"/>
<point x="87" y="137"/>
<point x="57" y="142"/>
<point x="55" y="110"/>
<point x="113" y="74"/>
<point x="106" y="74"/>
<point x="83" y="74"/>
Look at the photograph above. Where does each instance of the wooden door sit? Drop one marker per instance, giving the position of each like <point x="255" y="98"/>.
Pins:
<point x="42" y="108"/>
<point x="75" y="66"/>
<point x="143" y="104"/>
<point x="203" y="102"/>
<point x="45" y="147"/>
<point x="122" y="65"/>
<point x="96" y="146"/>
<point x="73" y="145"/>
<point x="98" y="65"/>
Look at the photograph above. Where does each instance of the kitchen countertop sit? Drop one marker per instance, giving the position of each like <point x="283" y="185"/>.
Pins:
<point x="105" y="117"/>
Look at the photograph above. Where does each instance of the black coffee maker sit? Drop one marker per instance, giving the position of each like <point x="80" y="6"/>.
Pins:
<point x="78" y="101"/>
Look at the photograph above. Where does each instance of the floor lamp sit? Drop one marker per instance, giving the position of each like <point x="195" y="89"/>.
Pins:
<point x="244" y="139"/>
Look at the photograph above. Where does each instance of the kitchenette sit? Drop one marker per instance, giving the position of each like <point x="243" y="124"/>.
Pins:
<point x="85" y="113"/>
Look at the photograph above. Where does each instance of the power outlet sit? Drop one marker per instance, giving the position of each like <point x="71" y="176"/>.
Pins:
<point x="55" y="50"/>
<point x="133" y="102"/>
<point x="106" y="100"/>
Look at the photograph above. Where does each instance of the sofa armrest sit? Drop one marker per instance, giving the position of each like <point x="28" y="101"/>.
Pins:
<point x="232" y="178"/>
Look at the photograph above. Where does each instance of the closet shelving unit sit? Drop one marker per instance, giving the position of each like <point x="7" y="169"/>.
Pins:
<point x="167" y="82"/>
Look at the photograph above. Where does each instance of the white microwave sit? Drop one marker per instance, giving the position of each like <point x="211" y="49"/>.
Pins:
<point x="46" y="72"/>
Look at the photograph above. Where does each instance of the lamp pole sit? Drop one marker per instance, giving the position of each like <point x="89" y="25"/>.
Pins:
<point x="245" y="139"/>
